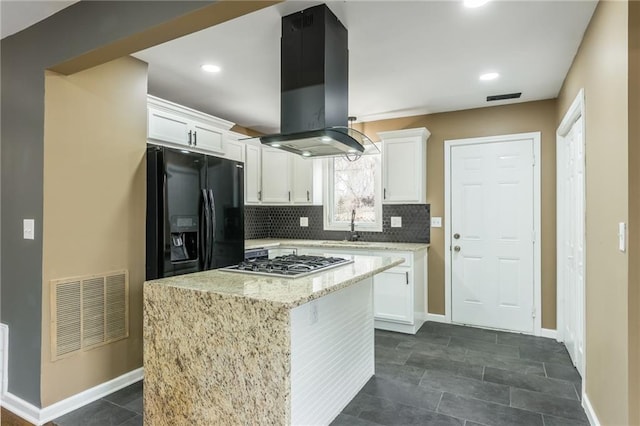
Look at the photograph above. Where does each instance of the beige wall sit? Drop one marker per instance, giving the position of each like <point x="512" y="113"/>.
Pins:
<point x="600" y="67"/>
<point x="94" y="206"/>
<point x="634" y="211"/>
<point x="518" y="118"/>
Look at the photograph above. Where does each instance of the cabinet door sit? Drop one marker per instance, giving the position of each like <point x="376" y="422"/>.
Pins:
<point x="207" y="137"/>
<point x="167" y="127"/>
<point x="275" y="176"/>
<point x="402" y="159"/>
<point x="302" y="180"/>
<point x="392" y="295"/>
<point x="252" y="174"/>
<point x="234" y="150"/>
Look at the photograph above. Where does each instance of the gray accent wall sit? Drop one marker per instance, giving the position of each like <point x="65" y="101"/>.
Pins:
<point x="83" y="27"/>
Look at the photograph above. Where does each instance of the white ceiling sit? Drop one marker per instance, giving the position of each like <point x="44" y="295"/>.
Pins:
<point x="405" y="57"/>
<point x="16" y="15"/>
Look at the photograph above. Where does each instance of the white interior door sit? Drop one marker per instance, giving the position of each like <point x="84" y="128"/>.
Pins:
<point x="571" y="230"/>
<point x="492" y="234"/>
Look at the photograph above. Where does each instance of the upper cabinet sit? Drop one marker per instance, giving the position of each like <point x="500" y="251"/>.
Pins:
<point x="252" y="172"/>
<point x="276" y="176"/>
<point x="173" y="124"/>
<point x="404" y="166"/>
<point x="302" y="170"/>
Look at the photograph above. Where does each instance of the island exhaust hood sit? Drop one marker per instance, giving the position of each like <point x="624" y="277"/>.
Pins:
<point x="314" y="96"/>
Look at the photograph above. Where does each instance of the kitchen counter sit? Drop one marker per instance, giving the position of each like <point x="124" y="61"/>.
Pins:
<point x="233" y="348"/>
<point x="362" y="245"/>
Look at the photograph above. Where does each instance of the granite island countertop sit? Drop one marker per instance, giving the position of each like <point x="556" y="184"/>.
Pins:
<point x="277" y="291"/>
<point x="335" y="244"/>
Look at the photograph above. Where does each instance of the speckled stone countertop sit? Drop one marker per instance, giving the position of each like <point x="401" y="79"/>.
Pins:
<point x="360" y="245"/>
<point x="287" y="292"/>
<point x="217" y="345"/>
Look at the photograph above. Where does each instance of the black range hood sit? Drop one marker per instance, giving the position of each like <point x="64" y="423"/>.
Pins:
<point x="314" y="89"/>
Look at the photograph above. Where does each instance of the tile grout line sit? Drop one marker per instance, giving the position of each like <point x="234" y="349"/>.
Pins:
<point x="120" y="406"/>
<point x="439" y="401"/>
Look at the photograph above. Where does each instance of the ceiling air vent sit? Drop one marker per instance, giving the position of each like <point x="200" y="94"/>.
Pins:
<point x="88" y="311"/>
<point x="503" y="97"/>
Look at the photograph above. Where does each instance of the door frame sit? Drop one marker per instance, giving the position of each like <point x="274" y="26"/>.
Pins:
<point x="575" y="111"/>
<point x="537" y="269"/>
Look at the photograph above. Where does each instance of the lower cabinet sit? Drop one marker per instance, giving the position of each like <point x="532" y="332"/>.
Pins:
<point x="399" y="294"/>
<point x="392" y="295"/>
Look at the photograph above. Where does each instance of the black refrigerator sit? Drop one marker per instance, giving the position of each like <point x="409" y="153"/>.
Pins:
<point x="195" y="212"/>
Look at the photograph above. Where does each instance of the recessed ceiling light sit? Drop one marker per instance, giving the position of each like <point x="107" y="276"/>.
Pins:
<point x="276" y="145"/>
<point x="475" y="3"/>
<point x="211" y="68"/>
<point x="489" y="76"/>
<point x="306" y="154"/>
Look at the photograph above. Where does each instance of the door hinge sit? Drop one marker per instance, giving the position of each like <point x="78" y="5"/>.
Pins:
<point x="533" y="236"/>
<point x="533" y="312"/>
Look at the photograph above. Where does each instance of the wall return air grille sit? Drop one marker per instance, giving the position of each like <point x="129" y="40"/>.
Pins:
<point x="88" y="311"/>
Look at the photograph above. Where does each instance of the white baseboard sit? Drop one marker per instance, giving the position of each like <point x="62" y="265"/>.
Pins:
<point x="588" y="409"/>
<point x="436" y="318"/>
<point x="547" y="332"/>
<point x="39" y="416"/>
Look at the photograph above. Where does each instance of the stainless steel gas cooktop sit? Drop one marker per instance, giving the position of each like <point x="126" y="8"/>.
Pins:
<point x="290" y="266"/>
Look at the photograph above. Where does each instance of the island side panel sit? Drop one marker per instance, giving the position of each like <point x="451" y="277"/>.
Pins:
<point x="212" y="359"/>
<point x="332" y="352"/>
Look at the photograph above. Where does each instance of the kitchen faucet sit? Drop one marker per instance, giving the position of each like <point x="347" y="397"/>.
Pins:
<point x="354" y="235"/>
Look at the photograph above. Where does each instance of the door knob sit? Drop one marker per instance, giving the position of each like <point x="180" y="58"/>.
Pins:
<point x="456" y="248"/>
<point x="456" y="236"/>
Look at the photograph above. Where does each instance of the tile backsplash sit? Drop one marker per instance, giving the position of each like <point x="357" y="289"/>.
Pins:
<point x="284" y="222"/>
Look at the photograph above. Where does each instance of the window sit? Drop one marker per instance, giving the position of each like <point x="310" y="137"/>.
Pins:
<point x="353" y="185"/>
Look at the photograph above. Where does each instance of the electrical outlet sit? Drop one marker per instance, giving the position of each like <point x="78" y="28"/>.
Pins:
<point x="396" y="221"/>
<point x="304" y="221"/>
<point x="28" y="229"/>
<point x="436" y="222"/>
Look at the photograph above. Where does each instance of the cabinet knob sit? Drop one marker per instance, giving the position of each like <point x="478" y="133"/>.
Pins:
<point x="456" y="236"/>
<point x="456" y="248"/>
<point x="384" y="194"/>
<point x="407" y="277"/>
<point x="308" y="196"/>
<point x="259" y="195"/>
<point x="189" y="137"/>
<point x="195" y="138"/>
<point x="289" y="195"/>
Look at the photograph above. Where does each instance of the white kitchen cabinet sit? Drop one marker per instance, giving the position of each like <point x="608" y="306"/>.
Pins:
<point x="404" y="166"/>
<point x="176" y="125"/>
<point x="276" y="176"/>
<point x="233" y="149"/>
<point x="399" y="293"/>
<point x="301" y="180"/>
<point x="252" y="173"/>
<point x="392" y="295"/>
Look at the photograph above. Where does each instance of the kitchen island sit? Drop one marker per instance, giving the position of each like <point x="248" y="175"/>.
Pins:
<point x="231" y="348"/>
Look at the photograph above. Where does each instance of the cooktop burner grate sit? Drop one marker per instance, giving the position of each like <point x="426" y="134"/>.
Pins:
<point x="289" y="266"/>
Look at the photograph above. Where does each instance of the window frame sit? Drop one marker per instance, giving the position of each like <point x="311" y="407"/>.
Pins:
<point x="328" y="200"/>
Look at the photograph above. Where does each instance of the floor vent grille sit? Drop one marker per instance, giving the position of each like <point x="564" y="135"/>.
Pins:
<point x="88" y="312"/>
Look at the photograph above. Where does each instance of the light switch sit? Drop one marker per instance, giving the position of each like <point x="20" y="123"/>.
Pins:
<point x="28" y="229"/>
<point x="396" y="221"/>
<point x="304" y="221"/>
<point x="622" y="236"/>
<point x="436" y="222"/>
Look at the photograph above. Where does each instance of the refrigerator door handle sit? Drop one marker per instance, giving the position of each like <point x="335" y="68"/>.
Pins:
<point x="203" y="228"/>
<point x="207" y="230"/>
<point x="212" y="207"/>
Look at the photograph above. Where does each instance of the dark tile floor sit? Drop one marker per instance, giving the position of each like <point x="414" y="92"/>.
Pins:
<point x="444" y="375"/>
<point x="454" y="375"/>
